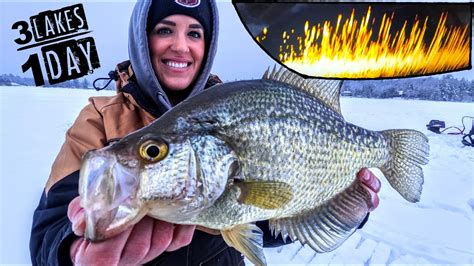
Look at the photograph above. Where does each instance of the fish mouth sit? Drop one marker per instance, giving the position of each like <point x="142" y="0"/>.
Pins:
<point x="107" y="190"/>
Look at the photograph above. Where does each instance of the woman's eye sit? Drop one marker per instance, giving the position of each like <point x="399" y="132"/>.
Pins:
<point x="163" y="31"/>
<point x="195" y="34"/>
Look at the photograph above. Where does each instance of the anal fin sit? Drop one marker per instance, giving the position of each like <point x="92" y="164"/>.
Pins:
<point x="248" y="239"/>
<point x="327" y="226"/>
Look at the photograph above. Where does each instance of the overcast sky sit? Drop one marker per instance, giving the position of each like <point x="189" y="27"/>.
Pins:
<point x="238" y="57"/>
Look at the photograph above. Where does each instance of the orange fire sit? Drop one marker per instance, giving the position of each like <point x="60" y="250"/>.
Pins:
<point x="348" y="51"/>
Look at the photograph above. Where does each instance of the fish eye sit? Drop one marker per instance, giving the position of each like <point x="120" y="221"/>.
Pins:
<point x="153" y="151"/>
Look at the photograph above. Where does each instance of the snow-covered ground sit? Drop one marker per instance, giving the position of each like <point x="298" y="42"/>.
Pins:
<point x="438" y="229"/>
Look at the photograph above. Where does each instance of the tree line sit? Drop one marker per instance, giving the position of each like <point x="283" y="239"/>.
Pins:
<point x="446" y="88"/>
<point x="13" y="80"/>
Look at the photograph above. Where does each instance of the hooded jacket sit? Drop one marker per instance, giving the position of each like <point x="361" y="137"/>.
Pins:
<point x="105" y="120"/>
<point x="151" y="95"/>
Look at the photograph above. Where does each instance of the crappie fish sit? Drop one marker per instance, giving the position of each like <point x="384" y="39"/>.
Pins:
<point x="274" y="149"/>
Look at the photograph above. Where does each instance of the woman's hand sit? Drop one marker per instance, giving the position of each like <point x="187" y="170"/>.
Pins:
<point x="137" y="245"/>
<point x="372" y="184"/>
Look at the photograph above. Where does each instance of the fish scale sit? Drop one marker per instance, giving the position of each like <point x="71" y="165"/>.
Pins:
<point x="275" y="149"/>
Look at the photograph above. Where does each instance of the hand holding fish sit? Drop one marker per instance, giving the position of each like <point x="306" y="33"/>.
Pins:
<point x="138" y="244"/>
<point x="372" y="184"/>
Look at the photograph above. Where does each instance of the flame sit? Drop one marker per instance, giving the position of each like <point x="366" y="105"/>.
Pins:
<point x="349" y="51"/>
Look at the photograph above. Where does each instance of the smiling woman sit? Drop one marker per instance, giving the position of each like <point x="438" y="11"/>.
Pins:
<point x="177" y="51"/>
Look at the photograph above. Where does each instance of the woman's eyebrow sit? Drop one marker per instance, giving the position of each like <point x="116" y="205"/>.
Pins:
<point x="195" y="26"/>
<point x="167" y="22"/>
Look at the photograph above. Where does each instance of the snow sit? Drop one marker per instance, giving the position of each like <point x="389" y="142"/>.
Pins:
<point x="438" y="229"/>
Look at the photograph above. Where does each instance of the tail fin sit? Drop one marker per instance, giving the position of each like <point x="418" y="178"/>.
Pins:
<point x="409" y="150"/>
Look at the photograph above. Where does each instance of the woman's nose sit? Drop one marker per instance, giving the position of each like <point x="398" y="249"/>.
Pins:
<point x="180" y="44"/>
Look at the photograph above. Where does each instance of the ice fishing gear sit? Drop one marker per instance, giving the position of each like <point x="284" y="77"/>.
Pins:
<point x="467" y="139"/>
<point x="435" y="126"/>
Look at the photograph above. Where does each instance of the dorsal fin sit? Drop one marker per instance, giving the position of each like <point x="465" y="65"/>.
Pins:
<point x="326" y="90"/>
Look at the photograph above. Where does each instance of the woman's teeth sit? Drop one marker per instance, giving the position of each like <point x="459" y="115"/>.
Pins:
<point x="176" y="64"/>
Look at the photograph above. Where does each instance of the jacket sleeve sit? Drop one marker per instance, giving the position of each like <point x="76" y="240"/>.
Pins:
<point x="51" y="233"/>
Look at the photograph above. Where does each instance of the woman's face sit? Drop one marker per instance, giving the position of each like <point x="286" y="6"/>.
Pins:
<point x="177" y="51"/>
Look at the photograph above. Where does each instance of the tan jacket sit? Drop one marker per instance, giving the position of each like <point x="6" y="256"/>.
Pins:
<point x="103" y="120"/>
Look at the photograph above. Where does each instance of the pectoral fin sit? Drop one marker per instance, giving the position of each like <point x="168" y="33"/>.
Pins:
<point x="329" y="225"/>
<point x="248" y="239"/>
<point x="265" y="195"/>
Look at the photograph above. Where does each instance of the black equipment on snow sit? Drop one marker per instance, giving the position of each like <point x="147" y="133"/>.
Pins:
<point x="467" y="139"/>
<point x="435" y="126"/>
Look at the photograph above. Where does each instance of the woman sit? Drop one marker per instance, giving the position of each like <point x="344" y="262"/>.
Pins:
<point x="172" y="44"/>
